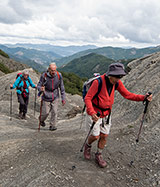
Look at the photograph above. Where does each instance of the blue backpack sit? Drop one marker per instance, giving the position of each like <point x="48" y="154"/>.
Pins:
<point x="87" y="84"/>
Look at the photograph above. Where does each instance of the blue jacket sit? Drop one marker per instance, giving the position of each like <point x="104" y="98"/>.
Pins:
<point x="19" y="84"/>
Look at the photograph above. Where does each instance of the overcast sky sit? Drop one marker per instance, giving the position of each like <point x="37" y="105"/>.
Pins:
<point x="77" y="22"/>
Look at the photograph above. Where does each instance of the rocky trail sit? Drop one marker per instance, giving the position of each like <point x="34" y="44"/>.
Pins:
<point x="31" y="158"/>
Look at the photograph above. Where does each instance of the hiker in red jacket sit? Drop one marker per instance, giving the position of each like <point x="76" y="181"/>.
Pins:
<point x="103" y="103"/>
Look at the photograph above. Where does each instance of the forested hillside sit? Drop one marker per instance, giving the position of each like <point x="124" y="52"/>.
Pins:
<point x="115" y="53"/>
<point x="87" y="65"/>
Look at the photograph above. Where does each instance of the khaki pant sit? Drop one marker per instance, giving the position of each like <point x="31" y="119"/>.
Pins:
<point x="50" y="107"/>
<point x="98" y="127"/>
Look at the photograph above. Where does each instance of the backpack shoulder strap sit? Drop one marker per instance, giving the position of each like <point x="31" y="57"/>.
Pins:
<point x="20" y="81"/>
<point x="28" y="80"/>
<point x="44" y="75"/>
<point x="99" y="86"/>
<point x="116" y="85"/>
<point x="58" y="75"/>
<point x="96" y="95"/>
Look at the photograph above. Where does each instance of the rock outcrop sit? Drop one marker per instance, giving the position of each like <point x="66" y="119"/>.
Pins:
<point x="1" y="73"/>
<point x="12" y="64"/>
<point x="144" y="76"/>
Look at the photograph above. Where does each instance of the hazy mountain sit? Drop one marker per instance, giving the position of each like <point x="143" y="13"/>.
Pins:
<point x="73" y="83"/>
<point x="85" y="66"/>
<point x="40" y="57"/>
<point x="61" y="50"/>
<point x="114" y="53"/>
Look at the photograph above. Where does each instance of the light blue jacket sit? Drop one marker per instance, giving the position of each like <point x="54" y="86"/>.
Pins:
<point x="19" y="84"/>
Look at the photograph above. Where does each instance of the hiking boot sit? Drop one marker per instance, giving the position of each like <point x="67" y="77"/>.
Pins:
<point x="20" y="115"/>
<point x="24" y="116"/>
<point x="99" y="159"/>
<point x="87" y="152"/>
<point x="52" y="128"/>
<point x="42" y="123"/>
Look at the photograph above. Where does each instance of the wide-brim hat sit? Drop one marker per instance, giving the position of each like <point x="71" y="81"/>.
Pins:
<point x="116" y="69"/>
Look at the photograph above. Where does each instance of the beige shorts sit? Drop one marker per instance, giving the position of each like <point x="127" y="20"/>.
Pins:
<point x="98" y="127"/>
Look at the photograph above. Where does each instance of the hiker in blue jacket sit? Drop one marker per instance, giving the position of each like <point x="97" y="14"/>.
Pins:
<point x="22" y="84"/>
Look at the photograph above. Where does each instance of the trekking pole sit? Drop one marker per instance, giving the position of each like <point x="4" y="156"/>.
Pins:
<point x="40" y="114"/>
<point x="35" y="101"/>
<point x="82" y="116"/>
<point x="39" y="94"/>
<point x="98" y="114"/>
<point x="142" y="120"/>
<point x="145" y="110"/>
<point x="11" y="106"/>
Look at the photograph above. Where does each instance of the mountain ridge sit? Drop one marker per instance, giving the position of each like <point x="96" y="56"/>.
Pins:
<point x="89" y="64"/>
<point x="115" y="53"/>
<point x="25" y="55"/>
<point x="60" y="50"/>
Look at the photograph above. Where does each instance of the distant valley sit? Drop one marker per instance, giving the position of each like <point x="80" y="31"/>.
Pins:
<point x="78" y="59"/>
<point x="62" y="51"/>
<point x="37" y="59"/>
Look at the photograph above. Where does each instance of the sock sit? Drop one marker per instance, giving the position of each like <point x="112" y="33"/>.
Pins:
<point x="89" y="144"/>
<point x="99" y="150"/>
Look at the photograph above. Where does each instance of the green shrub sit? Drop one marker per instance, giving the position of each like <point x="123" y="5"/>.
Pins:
<point x="4" y="68"/>
<point x="4" y="54"/>
<point x="73" y="83"/>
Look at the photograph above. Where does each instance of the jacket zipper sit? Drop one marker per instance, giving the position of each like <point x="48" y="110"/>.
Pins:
<point x="52" y="90"/>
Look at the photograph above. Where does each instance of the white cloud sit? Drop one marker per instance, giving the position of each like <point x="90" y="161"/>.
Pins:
<point x="105" y="22"/>
<point x="12" y="12"/>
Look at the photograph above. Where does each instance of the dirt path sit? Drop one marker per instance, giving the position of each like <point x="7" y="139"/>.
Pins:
<point x="32" y="158"/>
<point x="29" y="158"/>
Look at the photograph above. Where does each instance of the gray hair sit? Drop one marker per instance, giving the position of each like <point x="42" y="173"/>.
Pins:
<point x="52" y="64"/>
<point x="26" y="72"/>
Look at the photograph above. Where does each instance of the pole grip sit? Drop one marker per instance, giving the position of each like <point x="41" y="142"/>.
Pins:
<point x="98" y="114"/>
<point x="146" y="102"/>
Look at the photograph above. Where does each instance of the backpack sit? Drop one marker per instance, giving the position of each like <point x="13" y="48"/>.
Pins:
<point x="45" y="75"/>
<point x="18" y="75"/>
<point x="87" y="84"/>
<point x="45" y="81"/>
<point x="20" y="80"/>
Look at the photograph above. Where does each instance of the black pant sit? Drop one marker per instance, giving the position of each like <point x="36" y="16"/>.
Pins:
<point x="23" y="103"/>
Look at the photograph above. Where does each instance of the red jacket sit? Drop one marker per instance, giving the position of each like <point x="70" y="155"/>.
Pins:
<point x="106" y="101"/>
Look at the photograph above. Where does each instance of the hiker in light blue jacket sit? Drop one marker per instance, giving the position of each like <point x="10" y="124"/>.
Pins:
<point x="22" y="84"/>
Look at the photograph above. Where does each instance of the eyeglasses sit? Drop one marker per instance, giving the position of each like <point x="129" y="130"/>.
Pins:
<point x="118" y="76"/>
